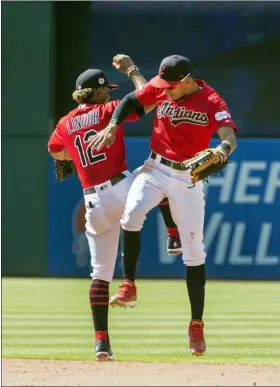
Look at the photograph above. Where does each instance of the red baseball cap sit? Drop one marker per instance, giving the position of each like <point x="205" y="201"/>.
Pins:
<point x="173" y="69"/>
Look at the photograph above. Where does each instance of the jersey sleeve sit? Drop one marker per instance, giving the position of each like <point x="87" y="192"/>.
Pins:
<point x="56" y="143"/>
<point x="220" y="115"/>
<point x="147" y="94"/>
<point x="112" y="106"/>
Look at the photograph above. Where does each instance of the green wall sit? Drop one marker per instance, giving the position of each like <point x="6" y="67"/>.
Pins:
<point x="26" y="120"/>
<point x="42" y="52"/>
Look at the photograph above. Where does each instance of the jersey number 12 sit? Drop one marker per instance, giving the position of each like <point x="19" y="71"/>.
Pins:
<point x="90" y="159"/>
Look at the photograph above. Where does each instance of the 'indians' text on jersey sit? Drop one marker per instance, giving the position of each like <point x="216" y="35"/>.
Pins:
<point x="183" y="128"/>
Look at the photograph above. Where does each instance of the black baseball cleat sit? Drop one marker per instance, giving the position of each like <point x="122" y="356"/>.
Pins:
<point x="174" y="246"/>
<point x="103" y="350"/>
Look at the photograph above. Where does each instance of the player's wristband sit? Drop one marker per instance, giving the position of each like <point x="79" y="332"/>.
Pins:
<point x="131" y="69"/>
<point x="225" y="146"/>
<point x="115" y="122"/>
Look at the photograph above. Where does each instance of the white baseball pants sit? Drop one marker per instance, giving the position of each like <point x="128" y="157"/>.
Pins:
<point x="103" y="213"/>
<point x="156" y="181"/>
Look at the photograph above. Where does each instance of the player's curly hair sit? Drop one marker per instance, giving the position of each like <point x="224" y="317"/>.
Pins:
<point x="83" y="95"/>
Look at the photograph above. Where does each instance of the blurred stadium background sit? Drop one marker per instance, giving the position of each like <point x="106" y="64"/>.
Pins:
<point x="235" y="48"/>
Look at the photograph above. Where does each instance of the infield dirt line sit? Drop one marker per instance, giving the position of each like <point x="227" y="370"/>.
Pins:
<point x="23" y="372"/>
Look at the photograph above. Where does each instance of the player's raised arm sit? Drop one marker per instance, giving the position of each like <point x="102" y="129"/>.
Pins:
<point x="145" y="96"/>
<point x="125" y="64"/>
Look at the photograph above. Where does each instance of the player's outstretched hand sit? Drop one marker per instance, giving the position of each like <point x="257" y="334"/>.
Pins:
<point x="105" y="137"/>
<point x="122" y="62"/>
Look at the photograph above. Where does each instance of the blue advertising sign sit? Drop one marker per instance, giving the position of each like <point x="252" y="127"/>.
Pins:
<point x="241" y="233"/>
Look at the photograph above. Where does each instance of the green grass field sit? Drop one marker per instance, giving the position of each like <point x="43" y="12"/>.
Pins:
<point x="50" y="319"/>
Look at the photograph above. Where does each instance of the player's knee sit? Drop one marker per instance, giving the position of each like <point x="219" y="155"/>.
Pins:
<point x="102" y="276"/>
<point x="193" y="261"/>
<point x="193" y="256"/>
<point x="103" y="270"/>
<point x="133" y="220"/>
<point x="193" y="249"/>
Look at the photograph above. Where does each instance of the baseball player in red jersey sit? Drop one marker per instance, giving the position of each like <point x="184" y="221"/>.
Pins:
<point x="189" y="112"/>
<point x="105" y="180"/>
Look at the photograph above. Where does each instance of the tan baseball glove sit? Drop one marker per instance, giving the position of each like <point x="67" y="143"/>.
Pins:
<point x="206" y="163"/>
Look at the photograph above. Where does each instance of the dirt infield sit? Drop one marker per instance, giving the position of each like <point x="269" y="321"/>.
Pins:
<point x="77" y="373"/>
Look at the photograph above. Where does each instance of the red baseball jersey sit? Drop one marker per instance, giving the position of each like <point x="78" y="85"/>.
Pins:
<point x="183" y="128"/>
<point x="73" y="133"/>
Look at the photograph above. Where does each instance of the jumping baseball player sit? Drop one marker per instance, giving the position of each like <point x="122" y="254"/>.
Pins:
<point x="189" y="112"/>
<point x="105" y="180"/>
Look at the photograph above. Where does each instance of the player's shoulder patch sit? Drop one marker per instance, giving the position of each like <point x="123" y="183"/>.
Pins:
<point x="223" y="115"/>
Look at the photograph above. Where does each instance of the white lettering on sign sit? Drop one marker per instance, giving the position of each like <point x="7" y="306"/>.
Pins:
<point x="223" y="243"/>
<point x="230" y="239"/>
<point x="262" y="257"/>
<point x="245" y="181"/>
<point x="239" y="235"/>
<point x="212" y="228"/>
<point x="236" y="180"/>
<point x="273" y="183"/>
<point x="225" y="181"/>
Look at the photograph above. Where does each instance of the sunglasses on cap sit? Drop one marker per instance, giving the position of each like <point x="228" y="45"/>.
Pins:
<point x="175" y="84"/>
